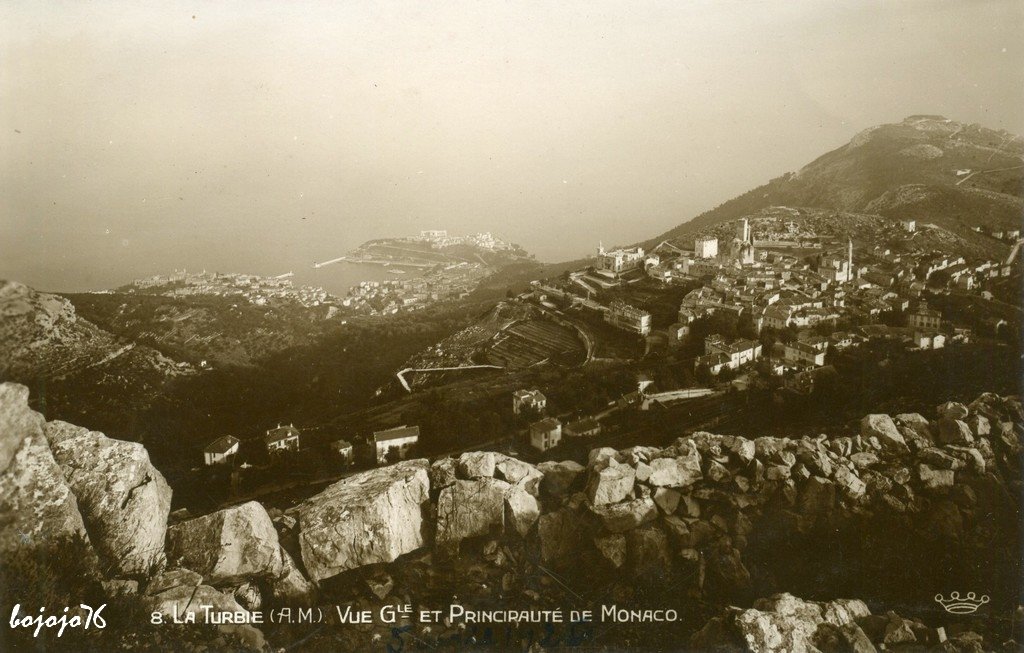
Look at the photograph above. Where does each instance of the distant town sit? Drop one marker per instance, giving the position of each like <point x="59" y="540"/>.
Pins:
<point x="796" y="288"/>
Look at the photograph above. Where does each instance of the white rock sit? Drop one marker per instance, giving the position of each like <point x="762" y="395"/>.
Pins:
<point x="123" y="499"/>
<point x="367" y="518"/>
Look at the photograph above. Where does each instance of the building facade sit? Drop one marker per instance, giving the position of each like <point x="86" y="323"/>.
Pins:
<point x="630" y="318"/>
<point x="282" y="438"/>
<point x="620" y="260"/>
<point x="399" y="439"/>
<point x="705" y="247"/>
<point x="529" y="399"/>
<point x="220" y="450"/>
<point x="546" y="433"/>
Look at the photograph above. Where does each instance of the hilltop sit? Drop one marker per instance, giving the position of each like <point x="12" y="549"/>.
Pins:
<point x="926" y="168"/>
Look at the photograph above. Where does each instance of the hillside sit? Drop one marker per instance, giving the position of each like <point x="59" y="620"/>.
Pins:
<point x="925" y="168"/>
<point x="78" y="367"/>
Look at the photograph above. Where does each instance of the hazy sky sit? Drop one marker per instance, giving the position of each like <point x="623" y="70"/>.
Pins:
<point x="136" y="137"/>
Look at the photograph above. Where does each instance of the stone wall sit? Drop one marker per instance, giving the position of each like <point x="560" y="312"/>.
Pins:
<point x="720" y="518"/>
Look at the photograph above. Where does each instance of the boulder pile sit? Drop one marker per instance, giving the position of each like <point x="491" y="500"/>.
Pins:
<point x="688" y="511"/>
<point x="783" y="624"/>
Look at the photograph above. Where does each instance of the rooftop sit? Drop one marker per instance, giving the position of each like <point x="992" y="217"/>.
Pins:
<point x="281" y="433"/>
<point x="397" y="433"/>
<point x="221" y="445"/>
<point x="546" y="424"/>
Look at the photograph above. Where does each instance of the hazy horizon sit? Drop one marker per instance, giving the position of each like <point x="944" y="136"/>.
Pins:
<point x="258" y="137"/>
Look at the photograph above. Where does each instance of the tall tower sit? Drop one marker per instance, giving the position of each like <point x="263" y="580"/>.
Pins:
<point x="744" y="234"/>
<point x="849" y="258"/>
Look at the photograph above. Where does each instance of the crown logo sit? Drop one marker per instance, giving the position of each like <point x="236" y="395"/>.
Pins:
<point x="956" y="604"/>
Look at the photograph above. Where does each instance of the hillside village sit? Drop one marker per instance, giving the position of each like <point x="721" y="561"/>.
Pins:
<point x="789" y="288"/>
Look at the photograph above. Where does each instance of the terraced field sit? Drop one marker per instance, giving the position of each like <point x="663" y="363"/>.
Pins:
<point x="531" y="341"/>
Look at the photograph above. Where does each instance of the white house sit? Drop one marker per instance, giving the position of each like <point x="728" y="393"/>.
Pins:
<point x="546" y="433"/>
<point x="282" y="438"/>
<point x="400" y="438"/>
<point x="220" y="450"/>
<point x="530" y="399"/>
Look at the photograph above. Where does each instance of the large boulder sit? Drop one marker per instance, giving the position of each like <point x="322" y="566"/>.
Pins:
<point x="367" y="518"/>
<point x="37" y="508"/>
<point x="123" y="499"/>
<point x="181" y="592"/>
<point x="681" y="471"/>
<point x="228" y="546"/>
<point x="36" y="505"/>
<point x="442" y="473"/>
<point x="291" y="587"/>
<point x="611" y="484"/>
<point x="476" y="464"/>
<point x="649" y="553"/>
<point x="954" y="431"/>
<point x="470" y="509"/>
<point x="952" y="410"/>
<point x="884" y="429"/>
<point x="915" y="429"/>
<point x="519" y="473"/>
<point x="17" y="421"/>
<point x="621" y="517"/>
<point x="561" y="533"/>
<point x="559" y="477"/>
<point x="784" y="624"/>
<point x="521" y="509"/>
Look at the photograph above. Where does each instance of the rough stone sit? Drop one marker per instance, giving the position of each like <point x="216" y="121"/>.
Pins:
<point x="954" y="431"/>
<point x="681" y="471"/>
<point x="611" y="484"/>
<point x="980" y="425"/>
<point x="864" y="460"/>
<point x="471" y="509"/>
<point x="17" y="421"/>
<point x="180" y="593"/>
<point x="784" y="624"/>
<point x="935" y="480"/>
<point x="228" y="546"/>
<point x="292" y="587"/>
<point x="248" y="596"/>
<point x="442" y="473"/>
<point x="123" y="499"/>
<point x="561" y="534"/>
<point x="621" y="517"/>
<point x="952" y="410"/>
<point x="521" y="509"/>
<point x="476" y="464"/>
<point x="599" y="456"/>
<point x="613" y="548"/>
<point x="648" y="550"/>
<point x="882" y="427"/>
<point x="37" y="508"/>
<point x="367" y="518"/>
<point x="818" y="496"/>
<point x="667" y="499"/>
<point x="559" y="477"/>
<point x="850" y="484"/>
<point x="519" y="473"/>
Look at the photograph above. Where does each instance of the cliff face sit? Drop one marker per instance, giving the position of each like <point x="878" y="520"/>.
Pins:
<point x="908" y="509"/>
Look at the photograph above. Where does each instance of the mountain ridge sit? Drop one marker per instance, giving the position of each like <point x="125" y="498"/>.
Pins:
<point x="959" y="175"/>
